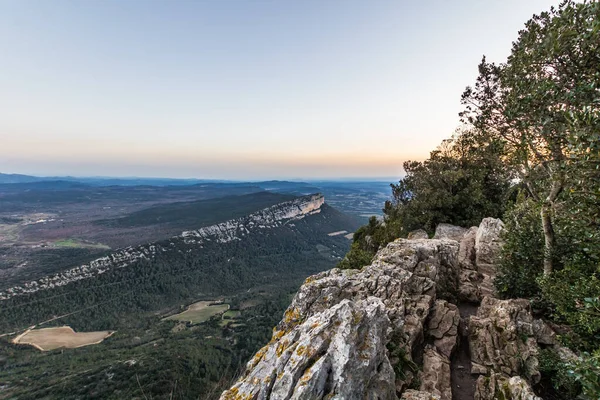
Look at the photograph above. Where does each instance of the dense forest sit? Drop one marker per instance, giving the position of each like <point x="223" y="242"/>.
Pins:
<point x="149" y="356"/>
<point x="528" y="152"/>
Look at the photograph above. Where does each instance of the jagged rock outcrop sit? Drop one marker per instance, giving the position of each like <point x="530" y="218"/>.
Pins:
<point x="404" y="280"/>
<point x="235" y="229"/>
<point x="411" y="394"/>
<point x="447" y="231"/>
<point x="339" y="350"/>
<point x="418" y="234"/>
<point x="466" y="251"/>
<point x="435" y="377"/>
<point x="443" y="327"/>
<point x="501" y="339"/>
<point x="389" y="330"/>
<point x="488" y="241"/>
<point x="499" y="386"/>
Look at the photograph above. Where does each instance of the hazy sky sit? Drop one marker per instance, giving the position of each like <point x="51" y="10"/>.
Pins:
<point x="239" y="89"/>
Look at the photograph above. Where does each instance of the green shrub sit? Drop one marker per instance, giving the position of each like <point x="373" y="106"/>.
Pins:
<point x="522" y="256"/>
<point x="557" y="373"/>
<point x="523" y="252"/>
<point x="586" y="371"/>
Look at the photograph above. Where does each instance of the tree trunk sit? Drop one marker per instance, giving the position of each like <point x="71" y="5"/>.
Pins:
<point x="549" y="238"/>
<point x="546" y="214"/>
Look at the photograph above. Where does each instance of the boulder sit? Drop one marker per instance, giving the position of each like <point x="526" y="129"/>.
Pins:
<point x="443" y="327"/>
<point x="469" y="286"/>
<point x="488" y="241"/>
<point x="543" y="333"/>
<point x="447" y="231"/>
<point x="411" y="394"/>
<point x="499" y="386"/>
<point x="338" y="352"/>
<point x="418" y="234"/>
<point x="347" y="331"/>
<point x="435" y="378"/>
<point x="501" y="339"/>
<point x="466" y="251"/>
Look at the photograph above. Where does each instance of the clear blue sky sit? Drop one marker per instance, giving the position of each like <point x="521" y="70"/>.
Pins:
<point x="239" y="89"/>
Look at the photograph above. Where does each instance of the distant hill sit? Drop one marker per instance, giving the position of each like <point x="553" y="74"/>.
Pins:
<point x="18" y="178"/>
<point x="199" y="213"/>
<point x="252" y="263"/>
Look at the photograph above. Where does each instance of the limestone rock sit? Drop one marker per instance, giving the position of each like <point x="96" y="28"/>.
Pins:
<point x="435" y="378"/>
<point x="501" y="339"/>
<point x="447" y="231"/>
<point x="333" y="339"/>
<point x="469" y="286"/>
<point x="543" y="333"/>
<point x="338" y="352"/>
<point x="499" y="386"/>
<point x="466" y="251"/>
<point x="488" y="241"/>
<point x="418" y="234"/>
<point x="411" y="394"/>
<point x="443" y="327"/>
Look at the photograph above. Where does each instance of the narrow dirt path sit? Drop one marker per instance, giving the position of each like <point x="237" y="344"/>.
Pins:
<point x="463" y="383"/>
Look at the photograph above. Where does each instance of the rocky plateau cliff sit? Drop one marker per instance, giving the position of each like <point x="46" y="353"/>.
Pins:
<point x="234" y="229"/>
<point x="419" y="323"/>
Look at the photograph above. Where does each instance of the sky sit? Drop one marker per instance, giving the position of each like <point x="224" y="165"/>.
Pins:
<point x="233" y="89"/>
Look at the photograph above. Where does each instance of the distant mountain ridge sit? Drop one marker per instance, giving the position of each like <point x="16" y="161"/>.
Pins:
<point x="235" y="229"/>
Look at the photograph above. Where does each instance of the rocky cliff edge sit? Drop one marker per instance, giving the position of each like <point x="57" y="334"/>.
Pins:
<point x="416" y="324"/>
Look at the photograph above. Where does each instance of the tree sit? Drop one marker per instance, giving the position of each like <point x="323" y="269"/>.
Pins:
<point x="552" y="72"/>
<point x="463" y="181"/>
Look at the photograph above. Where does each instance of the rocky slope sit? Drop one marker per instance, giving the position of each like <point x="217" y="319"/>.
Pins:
<point x="392" y="329"/>
<point x="277" y="215"/>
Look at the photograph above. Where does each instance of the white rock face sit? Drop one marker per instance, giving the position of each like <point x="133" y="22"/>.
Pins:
<point x="345" y="319"/>
<point x="435" y="378"/>
<point x="352" y="334"/>
<point x="488" y="241"/>
<point x="466" y="253"/>
<point x="338" y="352"/>
<point x="502" y="339"/>
<point x="447" y="231"/>
<point x="499" y="386"/>
<point x="235" y="229"/>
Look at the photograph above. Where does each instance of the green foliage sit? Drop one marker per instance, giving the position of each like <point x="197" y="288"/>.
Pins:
<point x="574" y="296"/>
<point x="147" y="355"/>
<point x="522" y="255"/>
<point x="587" y="372"/>
<point x="199" y="213"/>
<point x="531" y="102"/>
<point x="462" y="182"/>
<point x="356" y="257"/>
<point x="556" y="373"/>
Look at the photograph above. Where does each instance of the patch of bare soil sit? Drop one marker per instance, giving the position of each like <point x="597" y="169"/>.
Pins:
<point x="463" y="382"/>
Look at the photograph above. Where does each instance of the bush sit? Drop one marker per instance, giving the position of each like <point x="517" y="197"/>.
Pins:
<point x="556" y="372"/>
<point x="522" y="256"/>
<point x="586" y="371"/>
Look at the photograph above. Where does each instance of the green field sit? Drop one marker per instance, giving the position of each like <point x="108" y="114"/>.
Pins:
<point x="231" y="314"/>
<point x="200" y="312"/>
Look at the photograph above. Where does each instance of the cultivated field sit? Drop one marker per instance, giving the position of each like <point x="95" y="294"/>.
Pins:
<point x="200" y="312"/>
<point x="53" y="338"/>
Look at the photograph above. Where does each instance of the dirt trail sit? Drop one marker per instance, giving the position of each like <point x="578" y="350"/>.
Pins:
<point x="463" y="383"/>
